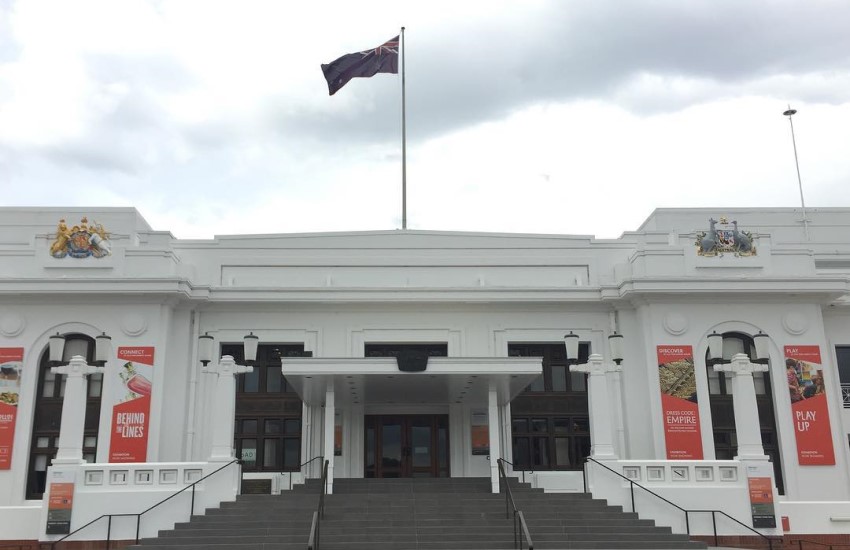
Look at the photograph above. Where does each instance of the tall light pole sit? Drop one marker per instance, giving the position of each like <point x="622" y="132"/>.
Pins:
<point x="790" y="113"/>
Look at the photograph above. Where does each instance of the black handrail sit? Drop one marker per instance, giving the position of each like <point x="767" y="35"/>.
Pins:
<point x="139" y="515"/>
<point x="300" y="467"/>
<point x="519" y="518"/>
<point x="514" y="468"/>
<point x="687" y="512"/>
<point x="831" y="546"/>
<point x="315" y="527"/>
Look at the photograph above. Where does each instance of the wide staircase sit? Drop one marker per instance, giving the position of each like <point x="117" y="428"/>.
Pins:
<point x="416" y="514"/>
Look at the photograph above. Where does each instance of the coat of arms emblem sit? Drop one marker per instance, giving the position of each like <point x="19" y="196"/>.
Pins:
<point x="724" y="239"/>
<point x="81" y="241"/>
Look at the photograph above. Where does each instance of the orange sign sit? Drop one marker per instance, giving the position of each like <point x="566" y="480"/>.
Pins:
<point x="11" y="363"/>
<point x="679" y="402"/>
<point x="131" y="411"/>
<point x="60" y="502"/>
<point x="806" y="387"/>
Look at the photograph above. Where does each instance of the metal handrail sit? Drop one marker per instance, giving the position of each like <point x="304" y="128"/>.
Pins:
<point x="300" y="467"/>
<point x="315" y="527"/>
<point x="139" y="514"/>
<point x="514" y="468"/>
<point x="687" y="512"/>
<point x="831" y="546"/>
<point x="519" y="519"/>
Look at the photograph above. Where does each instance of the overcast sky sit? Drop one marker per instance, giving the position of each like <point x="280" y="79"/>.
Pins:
<point x="559" y="116"/>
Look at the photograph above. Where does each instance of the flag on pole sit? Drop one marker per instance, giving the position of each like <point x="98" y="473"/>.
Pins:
<point x="383" y="59"/>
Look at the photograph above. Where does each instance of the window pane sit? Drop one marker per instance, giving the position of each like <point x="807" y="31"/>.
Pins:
<point x="291" y="452"/>
<point x="713" y="381"/>
<point x="582" y="448"/>
<point x="758" y="381"/>
<point x="49" y="384"/>
<point x="540" y="452"/>
<point x="62" y="385"/>
<point x="520" y="425"/>
<point x="249" y="426"/>
<point x="75" y="347"/>
<point x="562" y="451"/>
<point x="537" y="385"/>
<point x="90" y="441"/>
<point x="273" y="379"/>
<point x="249" y="453"/>
<point x="292" y="426"/>
<point x="273" y="426"/>
<point x="41" y="463"/>
<point x="578" y="381"/>
<point x="559" y="378"/>
<point x="95" y="384"/>
<point x="42" y="442"/>
<point x="581" y="425"/>
<point x="521" y="454"/>
<point x="270" y="453"/>
<point x="252" y="381"/>
<point x="731" y="347"/>
<point x="370" y="447"/>
<point x="539" y="425"/>
<point x="562" y="425"/>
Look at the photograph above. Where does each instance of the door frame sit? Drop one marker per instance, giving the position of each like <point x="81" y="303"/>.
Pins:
<point x="407" y="422"/>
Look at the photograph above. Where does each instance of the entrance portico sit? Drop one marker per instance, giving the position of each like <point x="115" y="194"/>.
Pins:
<point x="338" y="394"/>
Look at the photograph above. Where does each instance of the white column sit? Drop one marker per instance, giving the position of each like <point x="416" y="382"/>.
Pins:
<point x="329" y="433"/>
<point x="71" y="429"/>
<point x="493" y="430"/>
<point x="744" y="403"/>
<point x="224" y="409"/>
<point x="601" y="422"/>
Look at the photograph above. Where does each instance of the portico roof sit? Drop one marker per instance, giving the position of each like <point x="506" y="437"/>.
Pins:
<point x="446" y="380"/>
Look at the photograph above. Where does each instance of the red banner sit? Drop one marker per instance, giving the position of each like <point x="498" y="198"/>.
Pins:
<point x="679" y="407"/>
<point x="810" y="412"/>
<point x="131" y="412"/>
<point x="11" y="363"/>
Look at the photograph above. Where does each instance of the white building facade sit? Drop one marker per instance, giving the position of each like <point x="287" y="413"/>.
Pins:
<point x="428" y="353"/>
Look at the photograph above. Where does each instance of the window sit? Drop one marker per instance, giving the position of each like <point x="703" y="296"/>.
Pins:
<point x="842" y="353"/>
<point x="557" y="377"/>
<point x="48" y="414"/>
<point x="550" y="424"/>
<point x="723" y="412"/>
<point x="268" y="411"/>
<point x="550" y="442"/>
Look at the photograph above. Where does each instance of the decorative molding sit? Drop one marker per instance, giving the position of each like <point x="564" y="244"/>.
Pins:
<point x="134" y="324"/>
<point x="675" y="323"/>
<point x="12" y="324"/>
<point x="795" y="323"/>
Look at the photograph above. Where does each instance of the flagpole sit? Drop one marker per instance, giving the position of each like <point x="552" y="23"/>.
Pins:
<point x="403" y="141"/>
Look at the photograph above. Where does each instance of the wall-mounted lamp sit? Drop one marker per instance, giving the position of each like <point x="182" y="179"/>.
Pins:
<point x="615" y="346"/>
<point x="250" y="343"/>
<point x="571" y="343"/>
<point x="715" y="348"/>
<point x="102" y="349"/>
<point x="57" y="349"/>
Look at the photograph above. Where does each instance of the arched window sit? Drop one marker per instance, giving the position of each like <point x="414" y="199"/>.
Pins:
<point x="723" y="412"/>
<point x="48" y="413"/>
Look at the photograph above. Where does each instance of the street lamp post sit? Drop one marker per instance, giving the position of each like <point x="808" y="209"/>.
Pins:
<point x="790" y="114"/>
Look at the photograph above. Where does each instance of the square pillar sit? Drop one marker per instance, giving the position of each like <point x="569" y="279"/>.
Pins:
<point x="328" y="447"/>
<point x="493" y="429"/>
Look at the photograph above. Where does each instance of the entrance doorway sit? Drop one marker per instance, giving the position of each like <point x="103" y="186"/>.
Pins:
<point x="407" y="446"/>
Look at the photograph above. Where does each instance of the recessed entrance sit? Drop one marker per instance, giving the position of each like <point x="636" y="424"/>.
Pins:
<point x="407" y="446"/>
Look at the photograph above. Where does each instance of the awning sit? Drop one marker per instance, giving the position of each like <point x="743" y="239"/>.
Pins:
<point x="377" y="380"/>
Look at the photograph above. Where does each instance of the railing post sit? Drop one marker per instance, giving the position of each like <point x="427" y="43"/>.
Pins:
<point x="714" y="526"/>
<point x="192" y="510"/>
<point x="584" y="476"/>
<point x="138" y="526"/>
<point x="632" y="487"/>
<point x="108" y="530"/>
<point x="687" y="523"/>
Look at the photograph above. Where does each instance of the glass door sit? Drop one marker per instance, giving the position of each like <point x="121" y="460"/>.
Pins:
<point x="406" y="446"/>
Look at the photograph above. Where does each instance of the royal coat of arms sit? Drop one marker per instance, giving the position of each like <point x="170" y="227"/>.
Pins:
<point x="81" y="241"/>
<point x="725" y="238"/>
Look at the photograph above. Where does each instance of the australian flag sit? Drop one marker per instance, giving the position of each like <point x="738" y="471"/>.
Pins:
<point x="383" y="59"/>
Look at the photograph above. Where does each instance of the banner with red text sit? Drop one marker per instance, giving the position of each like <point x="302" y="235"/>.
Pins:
<point x="679" y="402"/>
<point x="804" y="374"/>
<point x="131" y="411"/>
<point x="11" y="363"/>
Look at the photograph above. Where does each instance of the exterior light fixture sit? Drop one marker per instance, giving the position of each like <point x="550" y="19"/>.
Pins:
<point x="571" y="343"/>
<point x="250" y="343"/>
<point x="715" y="348"/>
<point x="102" y="349"/>
<point x="205" y="348"/>
<point x="57" y="348"/>
<point x="615" y="346"/>
<point x="762" y="342"/>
